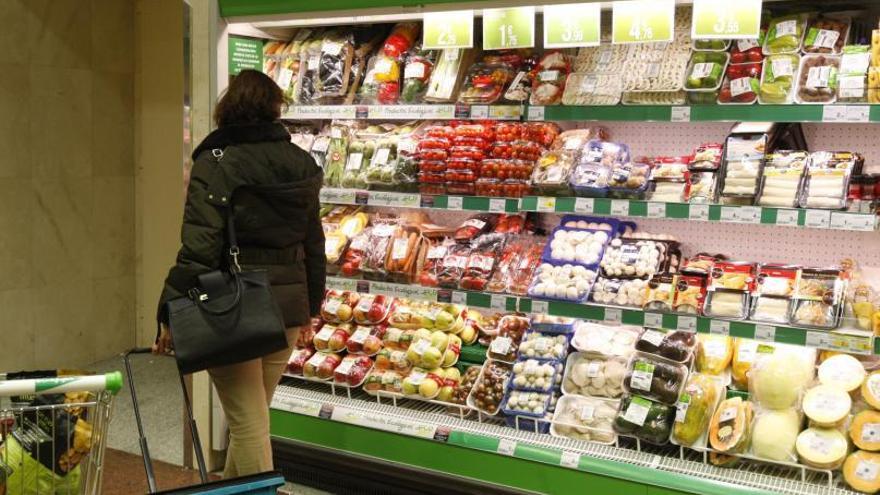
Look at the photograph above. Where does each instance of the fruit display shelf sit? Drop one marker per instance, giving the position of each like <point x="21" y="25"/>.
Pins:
<point x="755" y="215"/>
<point x="859" y="113"/>
<point x="418" y="436"/>
<point x="854" y="341"/>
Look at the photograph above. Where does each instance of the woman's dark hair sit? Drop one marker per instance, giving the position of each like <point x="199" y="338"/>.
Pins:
<point x="251" y="97"/>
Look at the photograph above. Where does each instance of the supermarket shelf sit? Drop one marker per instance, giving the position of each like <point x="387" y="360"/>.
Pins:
<point x="610" y="113"/>
<point x="710" y="113"/>
<point x="854" y="341"/>
<point x="420" y="435"/>
<point x="789" y="217"/>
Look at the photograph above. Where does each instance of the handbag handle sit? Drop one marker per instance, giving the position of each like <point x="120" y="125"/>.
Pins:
<point x="235" y="268"/>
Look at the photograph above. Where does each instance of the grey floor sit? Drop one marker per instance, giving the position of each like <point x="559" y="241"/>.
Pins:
<point x="161" y="406"/>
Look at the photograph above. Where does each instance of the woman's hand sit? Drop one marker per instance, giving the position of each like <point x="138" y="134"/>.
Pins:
<point x="164" y="344"/>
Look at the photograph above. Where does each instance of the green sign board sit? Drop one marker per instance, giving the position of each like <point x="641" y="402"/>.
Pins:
<point x="448" y="30"/>
<point x="508" y="28"/>
<point x="726" y="20"/>
<point x="642" y="21"/>
<point x="572" y="25"/>
<point x="245" y="53"/>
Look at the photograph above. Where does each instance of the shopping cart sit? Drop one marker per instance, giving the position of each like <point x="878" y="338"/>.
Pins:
<point x="53" y="432"/>
<point x="258" y="484"/>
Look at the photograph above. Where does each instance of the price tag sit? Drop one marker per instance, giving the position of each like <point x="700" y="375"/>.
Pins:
<point x="613" y="315"/>
<point x="834" y="113"/>
<point x="656" y="210"/>
<point x="573" y="25"/>
<point x="497" y="205"/>
<point x="818" y="219"/>
<point x="454" y="202"/>
<point x="535" y="114"/>
<point x="570" y="459"/>
<point x="687" y="323"/>
<point x="853" y="221"/>
<point x="728" y="213"/>
<point x="642" y="21"/>
<point x="765" y="333"/>
<point x="653" y="320"/>
<point x="508" y="28"/>
<point x="448" y="30"/>
<point x="680" y="114"/>
<point x="583" y="205"/>
<point x="726" y="20"/>
<point x="479" y="112"/>
<point x="818" y="339"/>
<point x="459" y="298"/>
<point x="539" y="307"/>
<point x="749" y="214"/>
<point x="858" y="113"/>
<point x="620" y="207"/>
<point x="787" y="218"/>
<point x="498" y="302"/>
<point x="546" y="204"/>
<point x="698" y="212"/>
<point x="506" y="447"/>
<point x="719" y="327"/>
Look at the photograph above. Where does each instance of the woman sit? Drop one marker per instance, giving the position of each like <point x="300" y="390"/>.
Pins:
<point x="270" y="186"/>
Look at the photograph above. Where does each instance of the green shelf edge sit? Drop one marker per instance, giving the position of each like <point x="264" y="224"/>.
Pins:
<point x="473" y="456"/>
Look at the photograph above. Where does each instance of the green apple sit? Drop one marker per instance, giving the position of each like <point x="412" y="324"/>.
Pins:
<point x="443" y="320"/>
<point x="449" y="358"/>
<point x="468" y="334"/>
<point x="446" y="393"/>
<point x="439" y="340"/>
<point x="452" y="374"/>
<point x="409" y="388"/>
<point x="428" y="389"/>
<point x="422" y="333"/>
<point x="432" y="358"/>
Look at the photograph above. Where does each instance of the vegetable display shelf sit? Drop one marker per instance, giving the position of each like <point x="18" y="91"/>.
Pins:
<point x="789" y="217"/>
<point x="854" y="341"/>
<point x="420" y="436"/>
<point x="858" y="113"/>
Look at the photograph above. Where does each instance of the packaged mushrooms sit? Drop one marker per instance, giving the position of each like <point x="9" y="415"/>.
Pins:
<point x="596" y="376"/>
<point x="606" y="340"/>
<point x="585" y="418"/>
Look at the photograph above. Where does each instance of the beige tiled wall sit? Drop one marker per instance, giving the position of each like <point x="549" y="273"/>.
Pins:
<point x="67" y="219"/>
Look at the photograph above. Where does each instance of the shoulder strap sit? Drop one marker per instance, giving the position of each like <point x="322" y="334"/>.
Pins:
<point x="234" y="250"/>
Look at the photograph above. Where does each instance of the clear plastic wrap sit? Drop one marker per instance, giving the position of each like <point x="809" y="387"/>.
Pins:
<point x="778" y="78"/>
<point x="644" y="419"/>
<point x="595" y="376"/>
<point x="549" y="82"/>
<point x="782" y="178"/>
<point x="785" y="34"/>
<point x="827" y="180"/>
<point x="817" y="79"/>
<point x="484" y="83"/>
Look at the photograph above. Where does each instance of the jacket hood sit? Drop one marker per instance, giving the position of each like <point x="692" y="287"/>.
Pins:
<point x="259" y="132"/>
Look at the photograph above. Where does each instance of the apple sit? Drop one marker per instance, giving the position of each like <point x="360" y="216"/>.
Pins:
<point x="344" y="312"/>
<point x="468" y="334"/>
<point x="443" y="320"/>
<point x="445" y="394"/>
<point x="372" y="345"/>
<point x="423" y="333"/>
<point x="450" y="357"/>
<point x="409" y="388"/>
<point x="338" y="340"/>
<point x="429" y="388"/>
<point x="439" y="340"/>
<point x="432" y="357"/>
<point x="452" y="374"/>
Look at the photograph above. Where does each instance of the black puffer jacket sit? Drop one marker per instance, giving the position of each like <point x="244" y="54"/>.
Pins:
<point x="272" y="187"/>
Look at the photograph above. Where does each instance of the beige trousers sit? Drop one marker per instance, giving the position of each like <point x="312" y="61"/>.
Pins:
<point x="246" y="391"/>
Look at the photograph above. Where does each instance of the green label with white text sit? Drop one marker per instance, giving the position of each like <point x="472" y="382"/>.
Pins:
<point x="448" y="30"/>
<point x="713" y="19"/>
<point x="572" y="25"/>
<point x="508" y="28"/>
<point x="640" y="21"/>
<point x="244" y="53"/>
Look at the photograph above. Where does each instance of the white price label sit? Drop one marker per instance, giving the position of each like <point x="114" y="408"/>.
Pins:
<point x="680" y="114"/>
<point x="454" y="203"/>
<point x="858" y="113"/>
<point x="653" y="320"/>
<point x="782" y="66"/>
<point x="719" y="327"/>
<point x="656" y="210"/>
<point x="479" y="112"/>
<point x="540" y="307"/>
<point x="833" y="113"/>
<point x="749" y="214"/>
<point x="787" y="217"/>
<point x="583" y="205"/>
<point x="786" y="28"/>
<point x="818" y="339"/>
<point x="765" y="333"/>
<point x="285" y="76"/>
<point x="498" y="302"/>
<point x="570" y="459"/>
<point x="698" y="212"/>
<point x="620" y="207"/>
<point x="740" y="85"/>
<point x="727" y="414"/>
<point x="500" y="345"/>
<point x="853" y="221"/>
<point x="728" y="213"/>
<point x="506" y="447"/>
<point x="613" y="315"/>
<point x="497" y="205"/>
<point x="817" y="219"/>
<point x="459" y="298"/>
<point x="687" y="323"/>
<point x="546" y="204"/>
<point x="746" y="45"/>
<point x="354" y="162"/>
<point x="637" y="412"/>
<point x="536" y="114"/>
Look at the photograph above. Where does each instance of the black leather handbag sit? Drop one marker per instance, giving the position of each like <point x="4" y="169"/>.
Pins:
<point x="229" y="317"/>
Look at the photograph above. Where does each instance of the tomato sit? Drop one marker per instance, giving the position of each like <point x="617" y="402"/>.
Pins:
<point x="754" y="56"/>
<point x="724" y="95"/>
<point x="738" y="58"/>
